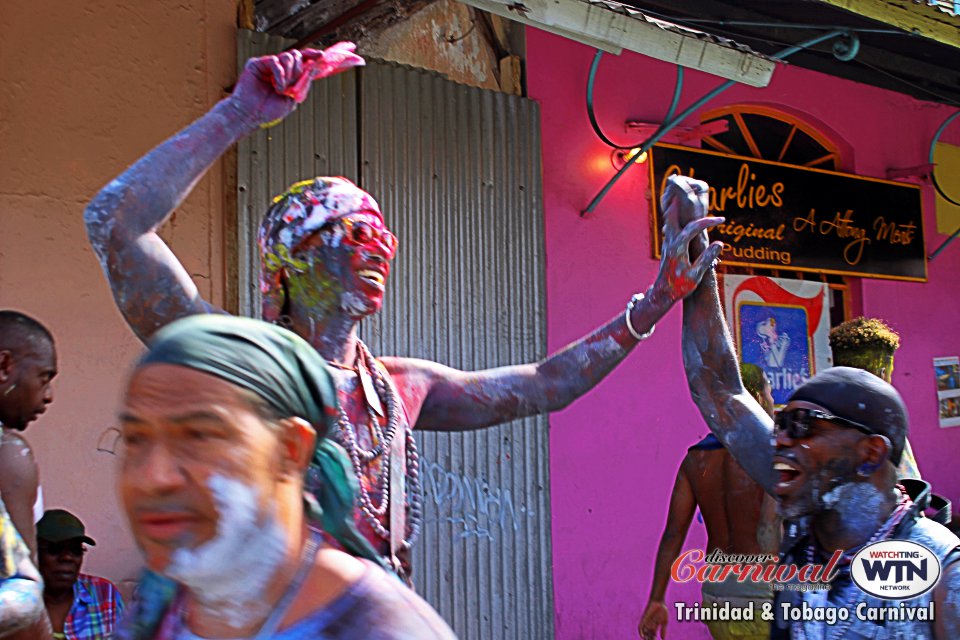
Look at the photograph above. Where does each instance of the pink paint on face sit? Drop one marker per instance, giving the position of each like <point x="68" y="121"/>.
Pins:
<point x="372" y="247"/>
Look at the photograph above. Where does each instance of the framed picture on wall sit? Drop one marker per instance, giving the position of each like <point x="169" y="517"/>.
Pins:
<point x="780" y="325"/>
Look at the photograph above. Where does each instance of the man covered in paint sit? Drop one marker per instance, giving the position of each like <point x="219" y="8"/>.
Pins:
<point x="28" y="364"/>
<point x="220" y="420"/>
<point x="326" y="255"/>
<point x="739" y="517"/>
<point x="830" y="459"/>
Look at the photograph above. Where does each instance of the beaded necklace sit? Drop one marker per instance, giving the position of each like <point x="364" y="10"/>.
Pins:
<point x="800" y="631"/>
<point x="382" y="439"/>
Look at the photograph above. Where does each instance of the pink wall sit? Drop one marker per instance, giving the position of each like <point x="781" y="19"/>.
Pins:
<point x="615" y="452"/>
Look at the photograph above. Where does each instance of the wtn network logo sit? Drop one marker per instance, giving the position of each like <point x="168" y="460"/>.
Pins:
<point x="895" y="569"/>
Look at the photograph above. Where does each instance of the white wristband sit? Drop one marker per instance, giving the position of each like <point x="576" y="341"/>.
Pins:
<point x="626" y="316"/>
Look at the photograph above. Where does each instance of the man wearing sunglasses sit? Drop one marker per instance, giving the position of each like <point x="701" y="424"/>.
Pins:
<point x="326" y="255"/>
<point x="80" y="606"/>
<point x="830" y="461"/>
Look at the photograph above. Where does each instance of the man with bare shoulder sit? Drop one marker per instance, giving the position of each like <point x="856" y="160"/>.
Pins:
<point x="829" y="458"/>
<point x="326" y="254"/>
<point x="219" y="422"/>
<point x="740" y="520"/>
<point x="28" y="364"/>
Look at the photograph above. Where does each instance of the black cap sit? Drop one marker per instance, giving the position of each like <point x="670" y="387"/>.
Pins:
<point x="58" y="525"/>
<point x="862" y="397"/>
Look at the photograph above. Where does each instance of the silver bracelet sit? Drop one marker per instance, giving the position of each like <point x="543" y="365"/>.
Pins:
<point x="637" y="297"/>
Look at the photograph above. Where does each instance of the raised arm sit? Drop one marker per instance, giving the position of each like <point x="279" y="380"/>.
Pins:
<point x="149" y="284"/>
<point x="710" y="361"/>
<point x="680" y="514"/>
<point x="459" y="400"/>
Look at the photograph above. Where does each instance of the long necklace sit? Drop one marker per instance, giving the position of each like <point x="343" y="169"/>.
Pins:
<point x="886" y="529"/>
<point x="383" y="439"/>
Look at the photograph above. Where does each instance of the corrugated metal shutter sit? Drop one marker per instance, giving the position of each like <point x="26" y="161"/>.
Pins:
<point x="457" y="173"/>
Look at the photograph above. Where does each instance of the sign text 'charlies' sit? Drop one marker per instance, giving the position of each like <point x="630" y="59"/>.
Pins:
<point x="782" y="216"/>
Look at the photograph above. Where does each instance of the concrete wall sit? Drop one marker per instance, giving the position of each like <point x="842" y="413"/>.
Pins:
<point x="615" y="452"/>
<point x="87" y="88"/>
<point x="443" y="37"/>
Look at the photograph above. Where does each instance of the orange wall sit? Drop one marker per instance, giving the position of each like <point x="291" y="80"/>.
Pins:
<point x="88" y="87"/>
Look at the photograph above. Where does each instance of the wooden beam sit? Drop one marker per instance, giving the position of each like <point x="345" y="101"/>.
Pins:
<point x="245" y="14"/>
<point x="911" y="16"/>
<point x="597" y="24"/>
<point x="511" y="80"/>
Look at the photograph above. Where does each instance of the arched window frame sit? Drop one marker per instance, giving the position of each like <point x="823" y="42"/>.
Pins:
<point x="831" y="156"/>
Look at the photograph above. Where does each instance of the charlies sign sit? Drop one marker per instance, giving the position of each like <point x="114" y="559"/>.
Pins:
<point x="786" y="217"/>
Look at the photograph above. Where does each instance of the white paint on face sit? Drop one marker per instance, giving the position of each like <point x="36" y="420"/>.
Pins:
<point x="354" y="305"/>
<point x="857" y="503"/>
<point x="228" y="574"/>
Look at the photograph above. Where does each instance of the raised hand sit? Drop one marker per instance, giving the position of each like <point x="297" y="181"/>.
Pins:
<point x="654" y="619"/>
<point x="685" y="204"/>
<point x="271" y="87"/>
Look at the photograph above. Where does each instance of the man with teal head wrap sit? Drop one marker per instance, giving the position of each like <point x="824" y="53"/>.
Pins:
<point x="221" y="419"/>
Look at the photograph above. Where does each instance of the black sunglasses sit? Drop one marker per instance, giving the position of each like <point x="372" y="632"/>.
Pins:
<point x="73" y="547"/>
<point x="796" y="423"/>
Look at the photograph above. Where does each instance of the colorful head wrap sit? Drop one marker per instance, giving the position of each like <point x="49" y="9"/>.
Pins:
<point x="303" y="209"/>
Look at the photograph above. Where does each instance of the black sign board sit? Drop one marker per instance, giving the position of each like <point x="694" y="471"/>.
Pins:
<point x="787" y="217"/>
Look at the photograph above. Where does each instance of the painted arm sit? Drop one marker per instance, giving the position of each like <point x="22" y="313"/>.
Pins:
<point x="460" y="400"/>
<point x="713" y="374"/>
<point x="18" y="486"/>
<point x="149" y="284"/>
<point x="680" y="514"/>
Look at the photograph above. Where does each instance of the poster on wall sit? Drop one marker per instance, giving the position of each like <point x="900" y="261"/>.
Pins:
<point x="947" y="371"/>
<point x="780" y="325"/>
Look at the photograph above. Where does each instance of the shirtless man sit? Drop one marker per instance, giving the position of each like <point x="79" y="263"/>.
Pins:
<point x="28" y="364"/>
<point x="326" y="254"/>
<point x="830" y="459"/>
<point x="739" y="517"/>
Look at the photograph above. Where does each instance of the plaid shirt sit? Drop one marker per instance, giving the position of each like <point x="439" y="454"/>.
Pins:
<point x="97" y="607"/>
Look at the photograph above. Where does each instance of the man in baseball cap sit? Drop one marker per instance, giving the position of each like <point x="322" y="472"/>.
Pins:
<point x="80" y="606"/>
<point x="829" y="458"/>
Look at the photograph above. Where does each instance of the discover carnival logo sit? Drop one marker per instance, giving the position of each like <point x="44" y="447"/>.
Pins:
<point x="718" y="566"/>
<point x="895" y="569"/>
